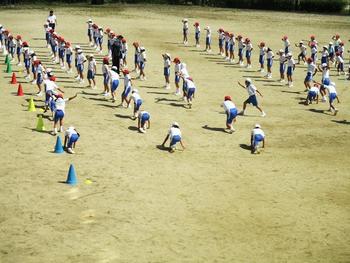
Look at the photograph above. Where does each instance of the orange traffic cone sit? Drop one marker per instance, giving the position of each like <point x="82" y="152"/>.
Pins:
<point x="20" y="90"/>
<point x="13" y="80"/>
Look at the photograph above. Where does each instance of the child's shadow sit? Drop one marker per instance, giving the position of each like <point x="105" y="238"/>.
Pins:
<point x="163" y="148"/>
<point x="245" y="147"/>
<point x="132" y="128"/>
<point x="124" y="117"/>
<point x="213" y="128"/>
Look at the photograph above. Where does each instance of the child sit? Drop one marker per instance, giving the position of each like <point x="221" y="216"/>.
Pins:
<point x="1" y="37"/>
<point x="135" y="96"/>
<point x="99" y="39"/>
<point x="142" y="63"/>
<point x="60" y="105"/>
<point x="124" y="52"/>
<point x="114" y="76"/>
<point x="208" y="39"/>
<point x="282" y="60"/>
<point x="325" y="55"/>
<point x="286" y="44"/>
<point x="40" y="71"/>
<point x="33" y="59"/>
<point x="167" y="64"/>
<point x="26" y="59"/>
<point x="197" y="33"/>
<point x="340" y="63"/>
<point x="105" y="72"/>
<point x="311" y="71"/>
<point x="190" y="90"/>
<point x="95" y="36"/>
<point x="221" y="41"/>
<point x="19" y="48"/>
<point x="332" y="95"/>
<point x="69" y="52"/>
<point x="136" y="56"/>
<point x="71" y="136"/>
<point x="185" y="30"/>
<point x="76" y="49"/>
<point x="61" y="51"/>
<point x="91" y="71"/>
<point x="143" y="119"/>
<point x="252" y="90"/>
<point x="184" y="74"/>
<point x="50" y="90"/>
<point x="227" y="45"/>
<point x="231" y="47"/>
<point x="302" y="54"/>
<point x="175" y="136"/>
<point x="313" y="41"/>
<point x="90" y="32"/>
<point x="325" y="74"/>
<point x="127" y="87"/>
<point x="241" y="46"/>
<point x="248" y="52"/>
<point x="331" y="52"/>
<point x="262" y="56"/>
<point x="290" y="69"/>
<point x="81" y="59"/>
<point x="337" y="42"/>
<point x="54" y="43"/>
<point x="231" y="113"/>
<point x="312" y="94"/>
<point x="314" y="52"/>
<point x="47" y="34"/>
<point x="269" y="62"/>
<point x="11" y="47"/>
<point x="177" y="67"/>
<point x="257" y="136"/>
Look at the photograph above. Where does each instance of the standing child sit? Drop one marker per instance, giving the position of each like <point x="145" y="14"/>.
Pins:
<point x="1" y="37"/>
<point x="127" y="87"/>
<point x="302" y="54"/>
<point x="136" y="56"/>
<point x="124" y="52"/>
<point x="325" y="55"/>
<point x="142" y="63"/>
<point x="26" y="59"/>
<point x="167" y="64"/>
<point x="290" y="69"/>
<point x="314" y="52"/>
<point x="11" y="47"/>
<point x="50" y="90"/>
<point x="231" y="47"/>
<point x="177" y="75"/>
<point x="91" y="71"/>
<point x="331" y="52"/>
<point x="69" y="53"/>
<point x="71" y="136"/>
<point x="252" y="90"/>
<point x="282" y="60"/>
<point x="262" y="49"/>
<point x="325" y="74"/>
<point x="144" y="118"/>
<point x="175" y="136"/>
<point x="221" y="41"/>
<point x="340" y="63"/>
<point x="54" y="43"/>
<point x="135" y="96"/>
<point x="197" y="33"/>
<point x="61" y="51"/>
<point x="248" y="52"/>
<point x="257" y="137"/>
<point x="90" y="32"/>
<point x="100" y="39"/>
<point x="208" y="39"/>
<point x="269" y="61"/>
<point x="231" y="113"/>
<point x="40" y="71"/>
<point x="105" y="72"/>
<point x="227" y="45"/>
<point x="81" y="59"/>
<point x="185" y="30"/>
<point x="114" y="76"/>
<point x="286" y="44"/>
<point x="311" y="71"/>
<point x="60" y="105"/>
<point x="241" y="46"/>
<point x="19" y="49"/>
<point x="76" y="49"/>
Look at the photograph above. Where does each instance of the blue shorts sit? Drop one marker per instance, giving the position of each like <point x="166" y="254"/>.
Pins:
<point x="61" y="53"/>
<point x="177" y="78"/>
<point x="137" y="105"/>
<point x="190" y="92"/>
<point x="48" y="95"/>
<point x="27" y="63"/>
<point x="144" y="117"/>
<point x="326" y="81"/>
<point x="221" y="43"/>
<point x="286" y="50"/>
<point x="231" y="115"/>
<point x="197" y="36"/>
<point x="142" y="65"/>
<point x="252" y="100"/>
<point x="248" y="53"/>
<point x="47" y="37"/>
<point x="257" y="139"/>
<point x="269" y="62"/>
<point x="90" y="74"/>
<point x="324" y="60"/>
<point x="167" y="71"/>
<point x="100" y="40"/>
<point x="331" y="54"/>
<point x="1" y="37"/>
<point x="80" y="68"/>
<point x="126" y="92"/>
<point x="290" y="71"/>
<point x="240" y="53"/>
<point x="311" y="95"/>
<point x="332" y="97"/>
<point x="54" y="48"/>
<point x="227" y="44"/>
<point x="105" y="78"/>
<point x="58" y="115"/>
<point x="231" y="48"/>
<point x="114" y="85"/>
<point x="69" y="58"/>
<point x="19" y="50"/>
<point x="261" y="59"/>
<point x="174" y="140"/>
<point x="39" y="79"/>
<point x="73" y="138"/>
<point x="282" y="68"/>
<point x="308" y="77"/>
<point x="207" y="41"/>
<point x="96" y="40"/>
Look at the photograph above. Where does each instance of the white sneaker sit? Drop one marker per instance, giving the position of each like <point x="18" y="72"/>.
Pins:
<point x="34" y="82"/>
<point x="39" y="94"/>
<point x="81" y="81"/>
<point x="263" y="114"/>
<point x="19" y="64"/>
<point x="77" y="78"/>
<point x="70" y="150"/>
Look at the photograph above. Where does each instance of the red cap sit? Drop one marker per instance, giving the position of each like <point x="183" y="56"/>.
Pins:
<point x="25" y="44"/>
<point x="312" y="36"/>
<point x="341" y="43"/>
<point x="126" y="71"/>
<point x="176" y="60"/>
<point x="285" y="37"/>
<point x="53" y="78"/>
<point x="309" y="60"/>
<point x="37" y="62"/>
<point x="337" y="35"/>
<point x="105" y="60"/>
<point x="196" y="24"/>
<point x="231" y="34"/>
<point x="18" y="37"/>
<point x="221" y="29"/>
<point x="190" y="78"/>
<point x="68" y="44"/>
<point x="108" y="30"/>
<point x="227" y="98"/>
<point x="123" y="40"/>
<point x="59" y="95"/>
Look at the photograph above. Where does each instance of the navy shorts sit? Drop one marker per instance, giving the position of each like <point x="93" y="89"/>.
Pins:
<point x="248" y="53"/>
<point x="137" y="104"/>
<point x="252" y="100"/>
<point x="145" y="117"/>
<point x="126" y="92"/>
<point x="269" y="62"/>
<point x="105" y="78"/>
<point x="324" y="60"/>
<point x="207" y="41"/>
<point x="58" y="115"/>
<point x="167" y="71"/>
<point x="197" y="36"/>
<point x="308" y="77"/>
<point x="289" y="71"/>
<point x="261" y="59"/>
<point x="115" y="84"/>
<point x="221" y="43"/>
<point x="177" y="78"/>
<point x="311" y="95"/>
<point x="69" y="58"/>
<point x="80" y="68"/>
<point x="90" y="74"/>
<point x="282" y="68"/>
<point x="332" y="97"/>
<point x="190" y="93"/>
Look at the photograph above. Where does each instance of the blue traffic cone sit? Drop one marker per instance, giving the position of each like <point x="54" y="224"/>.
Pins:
<point x="58" y="146"/>
<point x="71" y="178"/>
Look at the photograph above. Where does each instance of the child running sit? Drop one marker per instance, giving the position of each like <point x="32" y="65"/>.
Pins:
<point x="252" y="90"/>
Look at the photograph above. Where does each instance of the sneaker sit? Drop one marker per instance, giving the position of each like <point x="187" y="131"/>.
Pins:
<point x="39" y="94"/>
<point x="19" y="64"/>
<point x="77" y="78"/>
<point x="34" y="82"/>
<point x="269" y="76"/>
<point x="263" y="114"/>
<point x="70" y="150"/>
<point x="142" y="130"/>
<point x="335" y="112"/>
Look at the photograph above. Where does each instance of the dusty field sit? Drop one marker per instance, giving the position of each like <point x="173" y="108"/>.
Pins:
<point x="213" y="202"/>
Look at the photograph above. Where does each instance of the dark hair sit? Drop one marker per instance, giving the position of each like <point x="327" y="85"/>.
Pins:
<point x="51" y="11"/>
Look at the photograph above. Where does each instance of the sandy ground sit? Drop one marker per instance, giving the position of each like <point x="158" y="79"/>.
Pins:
<point x="213" y="202"/>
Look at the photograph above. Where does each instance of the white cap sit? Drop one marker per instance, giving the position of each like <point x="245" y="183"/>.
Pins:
<point x="333" y="84"/>
<point x="168" y="55"/>
<point x="281" y="51"/>
<point x="324" y="65"/>
<point x="90" y="20"/>
<point x="257" y="125"/>
<point x="184" y="20"/>
<point x="208" y="27"/>
<point x="49" y="70"/>
<point x="248" y="80"/>
<point x="91" y="55"/>
<point x="77" y="47"/>
<point x="80" y="51"/>
<point x="289" y="54"/>
<point x="325" y="47"/>
<point x="301" y="42"/>
<point x="114" y="68"/>
<point x="175" y="124"/>
<point x="331" y="43"/>
<point x="142" y="49"/>
<point x="135" y="90"/>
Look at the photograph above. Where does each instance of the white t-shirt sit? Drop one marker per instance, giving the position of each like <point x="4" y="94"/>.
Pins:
<point x="314" y="89"/>
<point x="208" y="33"/>
<point x="50" y="85"/>
<point x="92" y="64"/>
<point x="257" y="131"/>
<point x="184" y="71"/>
<point x="286" y="43"/>
<point x="185" y="26"/>
<point x="339" y="59"/>
<point x="177" y="67"/>
<point x="127" y="81"/>
<point x="311" y="67"/>
<point x="262" y="51"/>
<point x="291" y="62"/>
<point x="105" y="69"/>
<point x="80" y="59"/>
<point x="269" y="55"/>
<point x="330" y="88"/>
<point x="282" y="59"/>
<point x="249" y="47"/>
<point x="325" y="74"/>
<point x="197" y="29"/>
<point x="70" y="131"/>
<point x="251" y="90"/>
<point x="51" y="19"/>
<point x="228" y="105"/>
<point x="167" y="63"/>
<point x="135" y="97"/>
<point x="61" y="104"/>
<point x="114" y="75"/>
<point x="173" y="132"/>
<point x="190" y="84"/>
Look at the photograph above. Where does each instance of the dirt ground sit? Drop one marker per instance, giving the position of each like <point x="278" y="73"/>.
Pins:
<point x="213" y="202"/>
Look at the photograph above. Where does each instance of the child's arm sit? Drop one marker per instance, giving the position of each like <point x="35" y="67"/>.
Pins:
<point x="165" y="140"/>
<point x="338" y="99"/>
<point x="317" y="99"/>
<point x="149" y="124"/>
<point x="71" y="98"/>
<point x="138" y="122"/>
<point x="182" y="145"/>
<point x="60" y="90"/>
<point x="315" y="72"/>
<point x="259" y="93"/>
<point x="240" y="85"/>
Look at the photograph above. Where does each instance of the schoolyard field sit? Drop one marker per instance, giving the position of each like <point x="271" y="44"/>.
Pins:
<point x="212" y="202"/>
